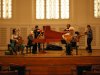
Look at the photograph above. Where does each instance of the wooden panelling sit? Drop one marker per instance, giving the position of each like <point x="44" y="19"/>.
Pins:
<point x="23" y="31"/>
<point x="99" y="35"/>
<point x="94" y="36"/>
<point x="3" y="36"/>
<point x="82" y="39"/>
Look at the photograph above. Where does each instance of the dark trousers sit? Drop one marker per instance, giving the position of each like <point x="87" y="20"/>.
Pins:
<point x="39" y="46"/>
<point x="68" y="48"/>
<point x="89" y="40"/>
<point x="34" y="48"/>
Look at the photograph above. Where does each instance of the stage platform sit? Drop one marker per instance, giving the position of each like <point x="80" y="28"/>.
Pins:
<point x="52" y="62"/>
<point x="56" y="53"/>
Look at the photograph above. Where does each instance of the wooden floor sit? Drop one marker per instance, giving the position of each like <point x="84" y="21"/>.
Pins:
<point x="57" y="53"/>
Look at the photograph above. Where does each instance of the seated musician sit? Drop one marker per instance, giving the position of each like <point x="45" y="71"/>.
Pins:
<point x="20" y="43"/>
<point x="68" y="36"/>
<point x="76" y="37"/>
<point x="13" y="41"/>
<point x="17" y="42"/>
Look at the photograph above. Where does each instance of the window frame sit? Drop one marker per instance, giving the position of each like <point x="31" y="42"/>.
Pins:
<point x="98" y="17"/>
<point x="59" y="12"/>
<point x="2" y="12"/>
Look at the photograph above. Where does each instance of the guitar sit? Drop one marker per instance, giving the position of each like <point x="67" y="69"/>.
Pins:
<point x="67" y="37"/>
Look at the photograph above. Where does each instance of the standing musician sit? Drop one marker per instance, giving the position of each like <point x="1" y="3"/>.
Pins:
<point x="41" y="36"/>
<point x="36" y="32"/>
<point x="67" y="28"/>
<point x="89" y="34"/>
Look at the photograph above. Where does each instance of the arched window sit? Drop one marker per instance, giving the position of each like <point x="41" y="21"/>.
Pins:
<point x="97" y="8"/>
<point x="5" y="9"/>
<point x="52" y="9"/>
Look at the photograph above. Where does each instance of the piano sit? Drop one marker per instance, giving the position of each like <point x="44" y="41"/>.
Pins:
<point x="49" y="36"/>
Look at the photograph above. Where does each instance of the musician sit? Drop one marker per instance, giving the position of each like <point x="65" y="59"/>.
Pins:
<point x="77" y="37"/>
<point x="13" y="40"/>
<point x="18" y="41"/>
<point x="30" y="40"/>
<point x="36" y="34"/>
<point x="68" y="38"/>
<point x="14" y="35"/>
<point x="89" y="34"/>
<point x="67" y="27"/>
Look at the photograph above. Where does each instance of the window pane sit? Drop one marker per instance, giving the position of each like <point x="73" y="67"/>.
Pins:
<point x="64" y="9"/>
<point x="7" y="9"/>
<point x="39" y="9"/>
<point x="97" y="8"/>
<point x="52" y="9"/>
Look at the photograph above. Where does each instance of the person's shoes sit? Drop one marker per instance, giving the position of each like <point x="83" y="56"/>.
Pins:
<point x="89" y="51"/>
<point x="68" y="53"/>
<point x="34" y="52"/>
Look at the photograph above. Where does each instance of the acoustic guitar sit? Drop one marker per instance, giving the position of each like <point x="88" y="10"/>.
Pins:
<point x="68" y="38"/>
